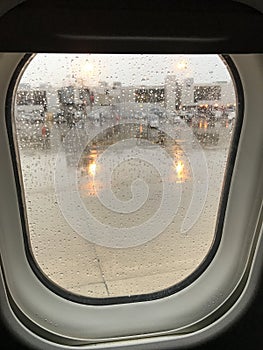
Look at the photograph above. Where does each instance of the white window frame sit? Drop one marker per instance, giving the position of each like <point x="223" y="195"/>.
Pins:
<point x="192" y="314"/>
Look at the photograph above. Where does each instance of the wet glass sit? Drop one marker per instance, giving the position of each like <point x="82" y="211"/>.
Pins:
<point x="123" y="160"/>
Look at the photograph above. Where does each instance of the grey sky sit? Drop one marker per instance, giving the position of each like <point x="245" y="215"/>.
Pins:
<point x="61" y="69"/>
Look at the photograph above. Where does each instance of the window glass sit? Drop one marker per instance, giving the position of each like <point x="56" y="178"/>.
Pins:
<point x="123" y="159"/>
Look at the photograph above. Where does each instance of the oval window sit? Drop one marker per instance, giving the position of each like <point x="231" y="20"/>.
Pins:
<point x="123" y="159"/>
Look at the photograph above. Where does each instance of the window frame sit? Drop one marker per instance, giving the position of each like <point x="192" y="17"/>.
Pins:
<point x="11" y="97"/>
<point x="34" y="304"/>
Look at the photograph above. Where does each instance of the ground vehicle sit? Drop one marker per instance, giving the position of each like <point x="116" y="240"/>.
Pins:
<point x="175" y="117"/>
<point x="153" y="120"/>
<point x="156" y="111"/>
<point x="231" y="116"/>
<point x="253" y="174"/>
<point x="140" y="115"/>
<point x="205" y="131"/>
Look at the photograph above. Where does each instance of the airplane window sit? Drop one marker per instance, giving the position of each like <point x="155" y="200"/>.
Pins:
<point x="123" y="160"/>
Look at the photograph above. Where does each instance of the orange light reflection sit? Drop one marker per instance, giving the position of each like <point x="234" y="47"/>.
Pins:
<point x="179" y="167"/>
<point x="92" y="169"/>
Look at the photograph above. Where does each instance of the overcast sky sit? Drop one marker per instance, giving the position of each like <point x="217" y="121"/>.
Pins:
<point x="61" y="69"/>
